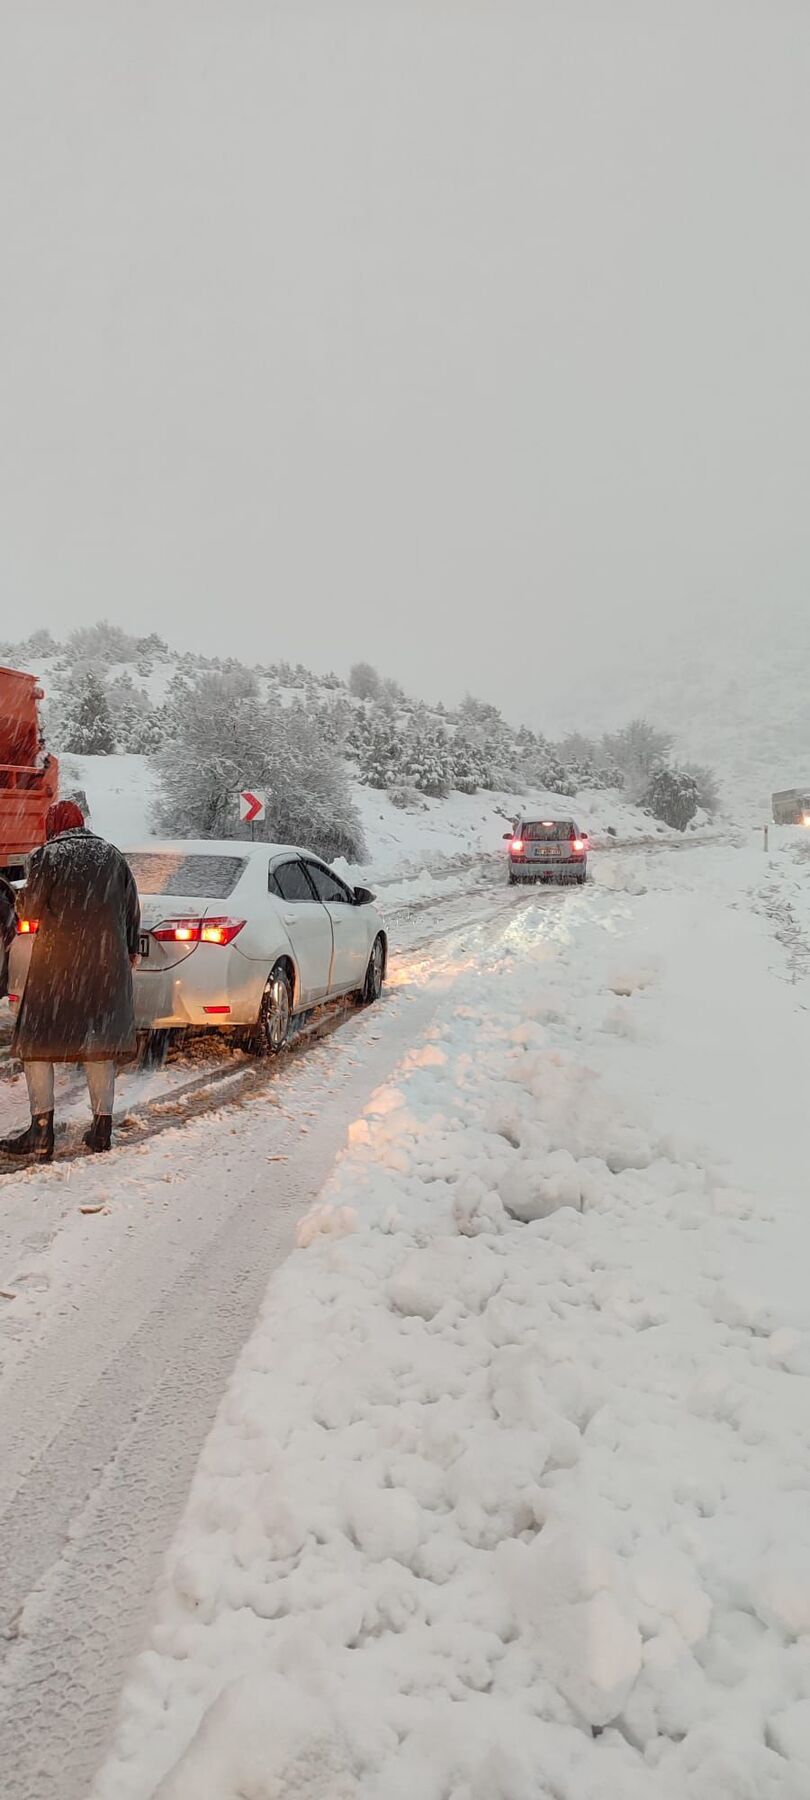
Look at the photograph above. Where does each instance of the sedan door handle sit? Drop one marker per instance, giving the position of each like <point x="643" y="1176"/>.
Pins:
<point x="290" y="918"/>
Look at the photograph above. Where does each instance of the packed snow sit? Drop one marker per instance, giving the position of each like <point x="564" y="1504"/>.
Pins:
<point x="507" y="1498"/>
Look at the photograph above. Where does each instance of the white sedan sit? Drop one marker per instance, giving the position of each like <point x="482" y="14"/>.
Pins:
<point x="237" y="935"/>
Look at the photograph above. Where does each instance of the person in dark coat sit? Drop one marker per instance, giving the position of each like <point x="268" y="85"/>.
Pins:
<point x="77" y="1002"/>
<point x="8" y="928"/>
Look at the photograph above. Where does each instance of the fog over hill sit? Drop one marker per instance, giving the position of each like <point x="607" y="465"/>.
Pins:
<point x="736" y="693"/>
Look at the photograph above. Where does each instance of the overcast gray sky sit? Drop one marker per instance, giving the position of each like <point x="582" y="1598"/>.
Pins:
<point x="471" y="338"/>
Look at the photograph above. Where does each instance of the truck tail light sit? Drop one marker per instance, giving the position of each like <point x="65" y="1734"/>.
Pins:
<point x="27" y="927"/>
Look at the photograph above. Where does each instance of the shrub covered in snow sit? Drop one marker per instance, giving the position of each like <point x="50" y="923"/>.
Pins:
<point x="672" y="796"/>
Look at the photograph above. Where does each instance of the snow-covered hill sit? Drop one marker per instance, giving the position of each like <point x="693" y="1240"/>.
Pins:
<point x="735" y="699"/>
<point x="410" y="768"/>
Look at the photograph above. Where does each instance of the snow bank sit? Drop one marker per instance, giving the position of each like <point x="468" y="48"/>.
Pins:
<point x="508" y="1497"/>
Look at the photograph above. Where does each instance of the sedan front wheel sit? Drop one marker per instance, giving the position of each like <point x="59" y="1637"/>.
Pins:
<point x="375" y="974"/>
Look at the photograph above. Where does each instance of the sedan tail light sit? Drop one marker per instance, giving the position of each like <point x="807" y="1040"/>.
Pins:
<point x="27" y="927"/>
<point x="177" y="931"/>
<point x="197" y="931"/>
<point x="220" y="931"/>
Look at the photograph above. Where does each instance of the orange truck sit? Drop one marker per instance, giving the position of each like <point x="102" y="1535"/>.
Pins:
<point x="29" y="777"/>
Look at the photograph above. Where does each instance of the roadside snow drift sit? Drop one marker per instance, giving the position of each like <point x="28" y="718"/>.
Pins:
<point x="508" y="1499"/>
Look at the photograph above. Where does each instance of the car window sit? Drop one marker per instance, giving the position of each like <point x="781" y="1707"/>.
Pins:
<point x="198" y="877"/>
<point x="326" y="885"/>
<point x="548" y="831"/>
<point x="292" y="884"/>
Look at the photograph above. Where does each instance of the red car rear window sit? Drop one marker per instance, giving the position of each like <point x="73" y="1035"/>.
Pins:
<point x="556" y="831"/>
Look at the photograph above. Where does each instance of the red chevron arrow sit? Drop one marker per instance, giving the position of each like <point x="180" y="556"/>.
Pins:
<point x="252" y="806"/>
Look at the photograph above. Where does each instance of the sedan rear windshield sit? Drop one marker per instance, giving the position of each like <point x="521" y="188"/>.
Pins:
<point x="556" y="831"/>
<point x="195" y="877"/>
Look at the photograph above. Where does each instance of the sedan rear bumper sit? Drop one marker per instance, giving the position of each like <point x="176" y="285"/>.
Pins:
<point x="198" y="991"/>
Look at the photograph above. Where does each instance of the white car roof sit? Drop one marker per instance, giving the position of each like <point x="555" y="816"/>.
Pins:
<point x="213" y="847"/>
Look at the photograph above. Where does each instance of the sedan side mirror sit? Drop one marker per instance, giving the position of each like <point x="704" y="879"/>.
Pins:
<point x="363" y="897"/>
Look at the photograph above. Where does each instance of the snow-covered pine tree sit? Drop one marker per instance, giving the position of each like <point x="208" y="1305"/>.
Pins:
<point x="470" y="769"/>
<point x="380" y="759"/>
<point x="426" y="762"/>
<point x="87" y="727"/>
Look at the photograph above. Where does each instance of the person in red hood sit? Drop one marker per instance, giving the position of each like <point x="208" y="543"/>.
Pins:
<point x="77" y="1002"/>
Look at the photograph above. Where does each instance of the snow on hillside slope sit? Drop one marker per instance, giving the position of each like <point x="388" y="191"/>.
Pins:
<point x="508" y="1494"/>
<point x="737" y="699"/>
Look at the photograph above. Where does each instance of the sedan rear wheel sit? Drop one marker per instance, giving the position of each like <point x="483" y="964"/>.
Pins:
<point x="375" y="973"/>
<point x="276" y="1014"/>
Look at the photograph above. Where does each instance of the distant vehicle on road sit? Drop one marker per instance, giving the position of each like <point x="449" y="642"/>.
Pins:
<point x="792" y="806"/>
<point x="237" y="935"/>
<point x="547" y="850"/>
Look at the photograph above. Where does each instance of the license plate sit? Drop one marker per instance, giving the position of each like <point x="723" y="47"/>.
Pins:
<point x="143" y="943"/>
<point x="544" y="850"/>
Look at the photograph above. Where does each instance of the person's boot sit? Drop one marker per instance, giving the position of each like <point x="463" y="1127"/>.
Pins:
<point x="99" y="1137"/>
<point x="36" y="1141"/>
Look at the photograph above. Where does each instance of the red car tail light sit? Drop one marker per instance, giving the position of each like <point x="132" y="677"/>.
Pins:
<point x="578" y="846"/>
<point x="516" y="846"/>
<point x="220" y="931"/>
<point x="27" y="927"/>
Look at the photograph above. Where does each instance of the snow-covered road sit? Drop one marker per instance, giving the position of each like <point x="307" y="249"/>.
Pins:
<point x="574" y="1134"/>
<point x="119" y="1329"/>
<point x="508" y="1495"/>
